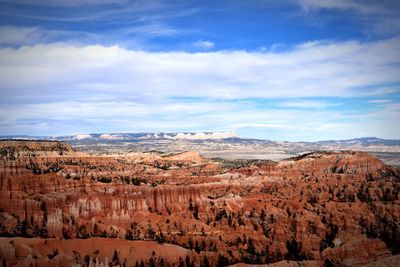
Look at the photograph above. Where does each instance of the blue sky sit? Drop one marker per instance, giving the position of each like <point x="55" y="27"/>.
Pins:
<point x="280" y="70"/>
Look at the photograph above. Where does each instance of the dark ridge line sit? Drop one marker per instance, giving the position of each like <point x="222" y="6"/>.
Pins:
<point x="32" y="140"/>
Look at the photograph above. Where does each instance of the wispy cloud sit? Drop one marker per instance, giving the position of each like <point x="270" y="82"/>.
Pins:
<point x="363" y="7"/>
<point x="139" y="11"/>
<point x="203" y="44"/>
<point x="131" y="37"/>
<point x="20" y="35"/>
<point x="380" y="101"/>
<point x="377" y="17"/>
<point x="29" y="36"/>
<point x="307" y="104"/>
<point x="65" y="2"/>
<point x="117" y="21"/>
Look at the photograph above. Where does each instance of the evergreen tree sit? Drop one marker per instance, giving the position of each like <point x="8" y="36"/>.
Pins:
<point x="115" y="258"/>
<point x="222" y="261"/>
<point x="205" y="262"/>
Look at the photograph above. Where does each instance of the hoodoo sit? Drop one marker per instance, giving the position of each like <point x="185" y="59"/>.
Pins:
<point x="321" y="208"/>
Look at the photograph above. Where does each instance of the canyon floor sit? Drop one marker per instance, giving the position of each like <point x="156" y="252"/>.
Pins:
<point x="63" y="207"/>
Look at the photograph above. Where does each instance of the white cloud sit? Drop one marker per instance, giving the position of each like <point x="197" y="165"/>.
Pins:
<point x="200" y="44"/>
<point x="380" y="101"/>
<point x="154" y="29"/>
<point x="319" y="69"/>
<point x="133" y="36"/>
<point x="59" y="87"/>
<point x="307" y="104"/>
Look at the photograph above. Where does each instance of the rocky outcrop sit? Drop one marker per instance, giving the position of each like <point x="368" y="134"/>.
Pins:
<point x="190" y="156"/>
<point x="13" y="149"/>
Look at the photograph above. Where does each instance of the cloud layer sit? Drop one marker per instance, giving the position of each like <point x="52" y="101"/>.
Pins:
<point x="308" y="70"/>
<point x="47" y="87"/>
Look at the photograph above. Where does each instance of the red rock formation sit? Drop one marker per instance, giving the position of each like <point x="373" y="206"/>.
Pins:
<point x="326" y="208"/>
<point x="191" y="156"/>
<point x="88" y="252"/>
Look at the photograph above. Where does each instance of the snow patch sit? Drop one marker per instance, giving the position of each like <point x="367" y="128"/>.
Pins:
<point x="83" y="136"/>
<point x="111" y="137"/>
<point x="205" y="136"/>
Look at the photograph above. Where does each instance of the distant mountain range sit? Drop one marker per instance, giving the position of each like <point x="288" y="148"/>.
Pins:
<point x="132" y="136"/>
<point x="198" y="136"/>
<point x="365" y="141"/>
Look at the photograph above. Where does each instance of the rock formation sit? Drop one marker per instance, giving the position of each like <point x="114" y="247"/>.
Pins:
<point x="60" y="207"/>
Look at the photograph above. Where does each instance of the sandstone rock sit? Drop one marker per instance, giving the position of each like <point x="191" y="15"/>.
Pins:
<point x="337" y="207"/>
<point x="191" y="156"/>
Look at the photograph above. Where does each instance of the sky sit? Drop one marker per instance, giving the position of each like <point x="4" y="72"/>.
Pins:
<point x="296" y="70"/>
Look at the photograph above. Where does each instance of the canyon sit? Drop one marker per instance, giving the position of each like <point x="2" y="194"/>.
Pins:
<point x="60" y="206"/>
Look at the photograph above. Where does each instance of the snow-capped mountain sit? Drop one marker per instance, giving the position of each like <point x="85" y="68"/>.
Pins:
<point x="204" y="136"/>
<point x="143" y="136"/>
